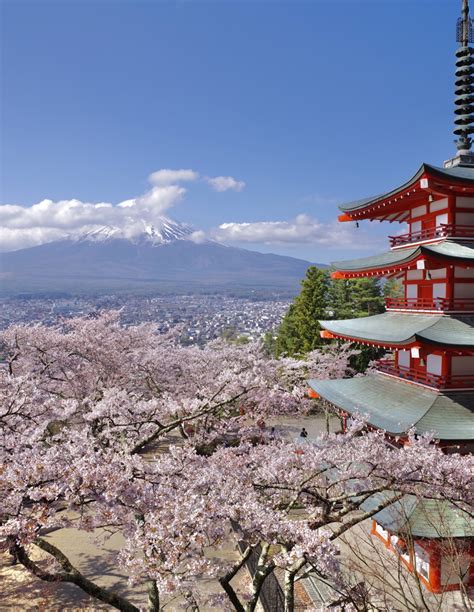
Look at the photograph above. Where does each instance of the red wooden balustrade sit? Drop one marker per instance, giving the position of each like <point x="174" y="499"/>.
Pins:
<point x="455" y="381"/>
<point x="437" y="304"/>
<point x="441" y="231"/>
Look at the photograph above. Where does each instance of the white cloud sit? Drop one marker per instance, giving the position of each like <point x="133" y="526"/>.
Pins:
<point x="169" y="177"/>
<point x="198" y="237"/>
<point x="301" y="230"/>
<point x="224" y="183"/>
<point x="22" y="227"/>
<point x="158" y="199"/>
<point x="12" y="239"/>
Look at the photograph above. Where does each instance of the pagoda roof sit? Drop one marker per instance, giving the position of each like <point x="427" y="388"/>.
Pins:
<point x="447" y="249"/>
<point x="396" y="406"/>
<point x="421" y="517"/>
<point x="396" y="203"/>
<point x="400" y="329"/>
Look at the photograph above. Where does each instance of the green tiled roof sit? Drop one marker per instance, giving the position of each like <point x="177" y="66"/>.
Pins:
<point x="450" y="249"/>
<point x="401" y="329"/>
<point x="390" y="258"/>
<point x="421" y="518"/>
<point x="396" y="406"/>
<point x="458" y="173"/>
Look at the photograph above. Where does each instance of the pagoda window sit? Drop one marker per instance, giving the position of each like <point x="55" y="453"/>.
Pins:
<point x="438" y="273"/>
<point x="422" y="561"/>
<point x="439" y="290"/>
<point x="401" y="547"/>
<point x="462" y="365"/>
<point x="464" y="202"/>
<point x="465" y="218"/>
<point x="418" y="211"/>
<point x="404" y="359"/>
<point x="434" y="364"/>
<point x="415" y="227"/>
<point x="464" y="272"/>
<point x="412" y="291"/>
<point x="441" y="219"/>
<point x="414" y="274"/>
<point x="463" y="290"/>
<point x="439" y="205"/>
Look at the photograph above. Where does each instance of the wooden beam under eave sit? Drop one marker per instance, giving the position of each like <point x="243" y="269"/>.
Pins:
<point x="324" y="333"/>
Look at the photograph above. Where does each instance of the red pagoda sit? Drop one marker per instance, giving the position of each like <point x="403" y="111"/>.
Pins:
<point x="428" y="383"/>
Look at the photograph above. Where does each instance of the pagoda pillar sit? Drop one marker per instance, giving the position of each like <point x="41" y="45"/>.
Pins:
<point x="435" y="568"/>
<point x="450" y="275"/>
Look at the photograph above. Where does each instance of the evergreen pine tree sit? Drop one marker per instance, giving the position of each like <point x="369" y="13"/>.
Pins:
<point x="324" y="298"/>
<point x="299" y="330"/>
<point x="340" y="299"/>
<point x="392" y="288"/>
<point x="366" y="297"/>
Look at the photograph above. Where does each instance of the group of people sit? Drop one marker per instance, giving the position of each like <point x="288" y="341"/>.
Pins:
<point x="273" y="433"/>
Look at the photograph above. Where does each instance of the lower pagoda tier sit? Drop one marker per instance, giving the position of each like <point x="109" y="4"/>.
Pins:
<point x="431" y="537"/>
<point x="443" y="253"/>
<point x="397" y="406"/>
<point x="397" y="329"/>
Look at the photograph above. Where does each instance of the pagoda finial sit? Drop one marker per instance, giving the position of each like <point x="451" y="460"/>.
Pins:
<point x="464" y="89"/>
<point x="464" y="26"/>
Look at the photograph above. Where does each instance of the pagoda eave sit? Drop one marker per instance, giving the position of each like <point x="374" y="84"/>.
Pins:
<point x="395" y="205"/>
<point x="435" y="519"/>
<point x="394" y="329"/>
<point x="327" y="335"/>
<point x="396" y="407"/>
<point x="447" y="252"/>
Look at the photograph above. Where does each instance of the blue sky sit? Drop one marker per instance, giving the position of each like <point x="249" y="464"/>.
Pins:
<point x="310" y="104"/>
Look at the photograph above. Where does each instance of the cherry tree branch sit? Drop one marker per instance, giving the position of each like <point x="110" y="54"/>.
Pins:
<point x="178" y="422"/>
<point x="70" y="574"/>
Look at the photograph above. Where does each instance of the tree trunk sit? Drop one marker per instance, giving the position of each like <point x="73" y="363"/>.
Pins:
<point x="72" y="575"/>
<point x="289" y="591"/>
<point x="261" y="572"/>
<point x="289" y="586"/>
<point x="231" y="594"/>
<point x="153" y="596"/>
<point x="225" y="580"/>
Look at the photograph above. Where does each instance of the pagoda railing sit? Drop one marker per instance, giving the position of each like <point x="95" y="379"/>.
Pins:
<point x="433" y="304"/>
<point x="444" y="230"/>
<point x="454" y="381"/>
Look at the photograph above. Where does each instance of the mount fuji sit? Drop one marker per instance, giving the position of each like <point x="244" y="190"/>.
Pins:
<point x="145" y="257"/>
<point x="162" y="231"/>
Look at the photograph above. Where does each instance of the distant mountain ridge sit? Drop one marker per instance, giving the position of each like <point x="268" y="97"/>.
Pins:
<point x="155" y="257"/>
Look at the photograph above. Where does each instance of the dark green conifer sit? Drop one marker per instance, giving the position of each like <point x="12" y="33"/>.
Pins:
<point x="299" y="330"/>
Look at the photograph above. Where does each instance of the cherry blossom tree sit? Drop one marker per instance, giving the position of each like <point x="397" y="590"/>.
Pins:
<point x="133" y="386"/>
<point x="81" y="408"/>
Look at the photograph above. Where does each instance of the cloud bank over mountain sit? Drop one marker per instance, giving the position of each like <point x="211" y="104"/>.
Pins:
<point x="48" y="220"/>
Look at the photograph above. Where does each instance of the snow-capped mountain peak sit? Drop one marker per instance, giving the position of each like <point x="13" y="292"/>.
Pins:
<point x="162" y="231"/>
